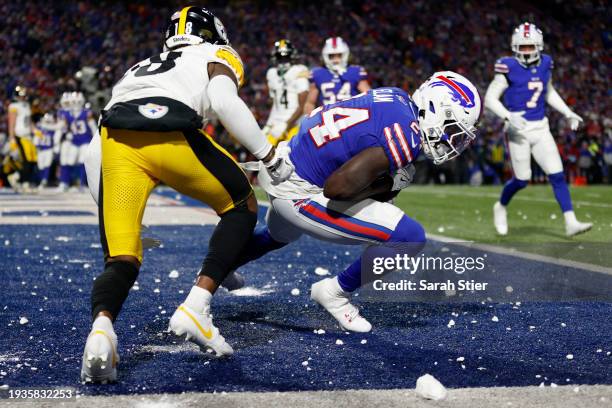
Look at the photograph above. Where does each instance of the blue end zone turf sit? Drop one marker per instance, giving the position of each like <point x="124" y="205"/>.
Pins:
<point x="48" y="272"/>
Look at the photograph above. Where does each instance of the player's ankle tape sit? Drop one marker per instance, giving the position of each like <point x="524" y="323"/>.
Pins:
<point x="112" y="287"/>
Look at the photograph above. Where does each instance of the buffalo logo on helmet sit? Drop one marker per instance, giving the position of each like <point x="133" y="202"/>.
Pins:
<point x="458" y="91"/>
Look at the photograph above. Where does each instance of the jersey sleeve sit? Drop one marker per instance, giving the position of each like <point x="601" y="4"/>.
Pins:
<point x="501" y="66"/>
<point x="362" y="74"/>
<point x="13" y="107"/>
<point x="226" y="55"/>
<point x="398" y="136"/>
<point x="315" y="76"/>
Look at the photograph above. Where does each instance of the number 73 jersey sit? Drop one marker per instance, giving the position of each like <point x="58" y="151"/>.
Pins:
<point x="181" y="75"/>
<point x="333" y="134"/>
<point x="526" y="85"/>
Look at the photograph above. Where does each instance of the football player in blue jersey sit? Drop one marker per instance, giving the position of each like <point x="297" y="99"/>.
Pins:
<point x="525" y="83"/>
<point x="350" y="158"/>
<point x="336" y="81"/>
<point x="79" y="127"/>
<point x="44" y="138"/>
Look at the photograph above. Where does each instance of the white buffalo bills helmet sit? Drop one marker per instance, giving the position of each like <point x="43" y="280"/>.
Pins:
<point x="527" y="34"/>
<point x="449" y="108"/>
<point x="336" y="45"/>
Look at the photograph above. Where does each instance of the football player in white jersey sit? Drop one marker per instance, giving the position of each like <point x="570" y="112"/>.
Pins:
<point x="288" y="87"/>
<point x="525" y="82"/>
<point x="20" y="132"/>
<point x="150" y="132"/>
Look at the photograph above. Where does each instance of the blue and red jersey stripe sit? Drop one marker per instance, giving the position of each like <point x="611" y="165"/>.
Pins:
<point x="344" y="223"/>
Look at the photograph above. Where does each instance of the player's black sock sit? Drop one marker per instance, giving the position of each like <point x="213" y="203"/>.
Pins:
<point x="259" y="244"/>
<point x="112" y="287"/>
<point x="227" y="242"/>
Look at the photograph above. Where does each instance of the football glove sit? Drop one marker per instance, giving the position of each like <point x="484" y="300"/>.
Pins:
<point x="574" y="120"/>
<point x="516" y="120"/>
<point x="279" y="167"/>
<point x="403" y="177"/>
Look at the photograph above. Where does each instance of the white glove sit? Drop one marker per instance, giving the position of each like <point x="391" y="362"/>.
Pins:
<point x="403" y="177"/>
<point x="279" y="167"/>
<point x="574" y="120"/>
<point x="278" y="129"/>
<point x="517" y="120"/>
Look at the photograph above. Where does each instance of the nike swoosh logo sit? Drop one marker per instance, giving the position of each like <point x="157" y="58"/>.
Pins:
<point x="207" y="333"/>
<point x="412" y="141"/>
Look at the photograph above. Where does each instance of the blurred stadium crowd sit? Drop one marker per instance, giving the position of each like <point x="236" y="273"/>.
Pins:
<point x="52" y="47"/>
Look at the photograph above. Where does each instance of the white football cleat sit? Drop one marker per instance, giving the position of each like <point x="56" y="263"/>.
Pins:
<point x="577" y="227"/>
<point x="330" y="295"/>
<point x="199" y="329"/>
<point x="500" y="218"/>
<point x="100" y="357"/>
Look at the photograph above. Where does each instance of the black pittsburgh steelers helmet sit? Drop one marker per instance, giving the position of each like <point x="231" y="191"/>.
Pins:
<point x="194" y="25"/>
<point x="283" y="52"/>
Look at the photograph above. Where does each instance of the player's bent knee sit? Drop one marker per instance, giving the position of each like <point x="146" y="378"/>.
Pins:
<point x="112" y="287"/>
<point x="409" y="231"/>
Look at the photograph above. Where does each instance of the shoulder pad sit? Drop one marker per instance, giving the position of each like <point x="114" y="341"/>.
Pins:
<point x="227" y="56"/>
<point x="300" y="71"/>
<point x="502" y="65"/>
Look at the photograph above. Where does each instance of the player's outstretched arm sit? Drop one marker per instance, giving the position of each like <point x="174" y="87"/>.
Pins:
<point x="233" y="113"/>
<point x="311" y="100"/>
<point x="354" y="181"/>
<point x="554" y="99"/>
<point x="239" y="121"/>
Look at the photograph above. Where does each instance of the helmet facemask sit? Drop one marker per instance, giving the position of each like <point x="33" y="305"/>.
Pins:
<point x="446" y="141"/>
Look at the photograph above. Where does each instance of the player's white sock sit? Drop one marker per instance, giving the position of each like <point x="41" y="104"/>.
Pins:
<point x="570" y="217"/>
<point x="573" y="226"/>
<point x="198" y="299"/>
<point x="500" y="218"/>
<point x="103" y="323"/>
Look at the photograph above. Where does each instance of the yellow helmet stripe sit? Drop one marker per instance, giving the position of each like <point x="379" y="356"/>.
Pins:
<point x="282" y="44"/>
<point x="183" y="20"/>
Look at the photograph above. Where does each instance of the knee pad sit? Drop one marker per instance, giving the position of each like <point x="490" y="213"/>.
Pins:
<point x="112" y="287"/>
<point x="557" y="179"/>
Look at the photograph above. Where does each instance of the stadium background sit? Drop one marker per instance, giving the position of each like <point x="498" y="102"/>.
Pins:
<point x="58" y="46"/>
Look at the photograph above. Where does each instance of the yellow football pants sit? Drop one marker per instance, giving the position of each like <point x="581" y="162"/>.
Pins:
<point x="285" y="137"/>
<point x="134" y="162"/>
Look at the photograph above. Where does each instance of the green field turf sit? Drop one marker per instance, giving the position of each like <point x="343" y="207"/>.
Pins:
<point x="535" y="220"/>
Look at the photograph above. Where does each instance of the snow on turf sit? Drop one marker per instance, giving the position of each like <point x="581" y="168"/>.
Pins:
<point x="429" y="388"/>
